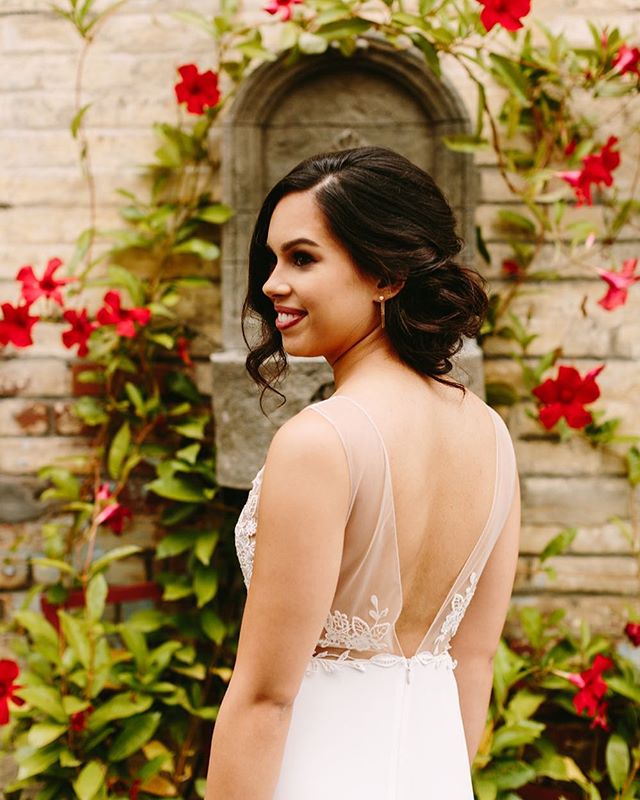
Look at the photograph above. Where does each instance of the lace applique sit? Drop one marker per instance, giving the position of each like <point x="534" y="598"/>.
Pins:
<point x="330" y="662"/>
<point x="354" y="633"/>
<point x="454" y="617"/>
<point x="245" y="529"/>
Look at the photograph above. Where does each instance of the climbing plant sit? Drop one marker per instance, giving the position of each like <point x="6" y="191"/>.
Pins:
<point x="99" y="707"/>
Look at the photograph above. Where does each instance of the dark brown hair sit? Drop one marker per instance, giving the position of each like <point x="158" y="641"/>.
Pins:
<point x="397" y="225"/>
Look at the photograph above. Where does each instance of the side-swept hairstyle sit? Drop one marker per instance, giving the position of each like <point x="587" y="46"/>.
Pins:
<point x="397" y="225"/>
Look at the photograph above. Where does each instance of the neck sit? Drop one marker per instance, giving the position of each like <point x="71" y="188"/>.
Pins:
<point x="372" y="354"/>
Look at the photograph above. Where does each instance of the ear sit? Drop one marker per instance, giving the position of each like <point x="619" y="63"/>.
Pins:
<point x="391" y="290"/>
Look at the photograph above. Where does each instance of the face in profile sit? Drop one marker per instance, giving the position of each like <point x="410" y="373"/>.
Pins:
<point x="313" y="274"/>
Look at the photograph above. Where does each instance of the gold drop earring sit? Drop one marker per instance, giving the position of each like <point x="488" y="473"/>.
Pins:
<point x="382" y="310"/>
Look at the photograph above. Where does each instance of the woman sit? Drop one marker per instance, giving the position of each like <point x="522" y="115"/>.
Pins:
<point x="385" y="519"/>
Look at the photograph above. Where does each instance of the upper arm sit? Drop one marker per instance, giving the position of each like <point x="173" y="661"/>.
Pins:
<point x="481" y="627"/>
<point x="302" y="513"/>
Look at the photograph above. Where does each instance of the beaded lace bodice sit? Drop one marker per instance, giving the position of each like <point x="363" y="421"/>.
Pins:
<point x="368" y="598"/>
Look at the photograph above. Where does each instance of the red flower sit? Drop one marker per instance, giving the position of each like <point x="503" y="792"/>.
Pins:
<point x="619" y="284"/>
<point x="134" y="789"/>
<point x="512" y="268"/>
<point x="79" y="719"/>
<point x="198" y="90"/>
<point x="592" y="689"/>
<point x="182" y="346"/>
<point x="47" y="286"/>
<point x="16" y="325"/>
<point x="596" y="168"/>
<point x="627" y="59"/>
<point x="112" y="314"/>
<point x="632" y="629"/>
<point x="566" y="397"/>
<point x="114" y="514"/>
<point x="507" y="13"/>
<point x="79" y="332"/>
<point x="9" y="671"/>
<point x="284" y="6"/>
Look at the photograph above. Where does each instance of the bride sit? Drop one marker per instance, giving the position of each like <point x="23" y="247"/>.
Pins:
<point x="379" y="540"/>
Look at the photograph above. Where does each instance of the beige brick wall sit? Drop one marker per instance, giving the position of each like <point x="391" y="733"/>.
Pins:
<point x="129" y="77"/>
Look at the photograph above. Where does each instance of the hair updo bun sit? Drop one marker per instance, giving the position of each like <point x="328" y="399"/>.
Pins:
<point x="397" y="225"/>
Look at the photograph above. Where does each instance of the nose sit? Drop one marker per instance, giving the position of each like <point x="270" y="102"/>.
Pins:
<point x="275" y="286"/>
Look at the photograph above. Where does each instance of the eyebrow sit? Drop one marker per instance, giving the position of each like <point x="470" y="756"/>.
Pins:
<point x="293" y="243"/>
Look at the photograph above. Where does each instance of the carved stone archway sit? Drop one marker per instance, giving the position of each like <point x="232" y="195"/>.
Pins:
<point x="281" y="115"/>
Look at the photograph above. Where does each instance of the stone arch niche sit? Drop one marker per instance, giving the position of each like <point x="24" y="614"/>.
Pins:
<point x="282" y="114"/>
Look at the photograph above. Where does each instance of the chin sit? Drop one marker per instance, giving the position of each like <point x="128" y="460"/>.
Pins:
<point x="300" y="351"/>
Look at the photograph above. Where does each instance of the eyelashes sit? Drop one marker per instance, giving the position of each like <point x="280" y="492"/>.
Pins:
<point x="299" y="258"/>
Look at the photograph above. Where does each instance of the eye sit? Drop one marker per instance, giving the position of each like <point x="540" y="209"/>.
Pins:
<point x="300" y="255"/>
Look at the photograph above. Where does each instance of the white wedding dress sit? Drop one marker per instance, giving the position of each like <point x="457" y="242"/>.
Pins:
<point x="379" y="725"/>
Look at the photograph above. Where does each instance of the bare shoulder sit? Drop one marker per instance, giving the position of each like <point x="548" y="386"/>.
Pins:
<point x="308" y="446"/>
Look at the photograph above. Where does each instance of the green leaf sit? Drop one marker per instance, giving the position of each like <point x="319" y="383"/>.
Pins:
<point x="39" y="629"/>
<point x="90" y="779"/>
<point x="96" y="597"/>
<point x="43" y="733"/>
<point x="217" y="214"/>
<point x="633" y="465"/>
<point x="55" y="563"/>
<point x="205" y="584"/>
<point x="38" y="762"/>
<point x="135" y="641"/>
<point x="180" y="384"/>
<point x="499" y="393"/>
<point x="518" y="223"/>
<point x="511" y="76"/>
<point x="624" y="687"/>
<point x="428" y="51"/>
<point x="135" y="733"/>
<point x="523" y="705"/>
<point x="509" y="774"/>
<point x="205" y="546"/>
<point x="311" y="44"/>
<point x="208" y="251"/>
<point x="189" y="453"/>
<point x="523" y="732"/>
<point x="213" y="626"/>
<point x="559" y="544"/>
<point x="113" y="555"/>
<point x="176" y="488"/>
<point x="618" y="761"/>
<point x="341" y="29"/>
<point x="465" y="143"/>
<point x="136" y="398"/>
<point x="76" y="636"/>
<point x="46" y="699"/>
<point x="118" y="450"/>
<point x="192" y="427"/>
<point x="77" y="120"/>
<point x="90" y="410"/>
<point x="174" y="544"/>
<point x="177" y="588"/>
<point x="119" y="706"/>
<point x="121" y="276"/>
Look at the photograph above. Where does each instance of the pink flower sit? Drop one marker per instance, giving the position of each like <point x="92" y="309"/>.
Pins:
<point x="199" y="90"/>
<point x="566" y="397"/>
<point x="632" y="629"/>
<point x="113" y="314"/>
<point x="47" y="286"/>
<point x="79" y="332"/>
<point x="627" y="59"/>
<point x="592" y="688"/>
<point x="619" y="284"/>
<point x="284" y="6"/>
<point x="113" y="514"/>
<point x="9" y="671"/>
<point x="507" y="13"/>
<point x="596" y="168"/>
<point x="16" y="325"/>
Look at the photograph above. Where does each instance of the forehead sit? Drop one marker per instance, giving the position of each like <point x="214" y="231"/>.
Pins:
<point x="297" y="215"/>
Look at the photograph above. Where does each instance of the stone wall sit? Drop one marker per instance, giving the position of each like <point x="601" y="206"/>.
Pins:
<point x="129" y="76"/>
